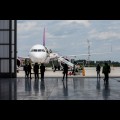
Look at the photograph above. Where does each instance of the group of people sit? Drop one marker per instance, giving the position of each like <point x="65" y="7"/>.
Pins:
<point x="27" y="69"/>
<point x="106" y="70"/>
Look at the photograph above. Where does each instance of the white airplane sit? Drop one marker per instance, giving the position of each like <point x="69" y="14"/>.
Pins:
<point x="39" y="54"/>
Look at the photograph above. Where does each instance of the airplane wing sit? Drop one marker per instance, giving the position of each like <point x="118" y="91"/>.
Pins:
<point x="100" y="53"/>
<point x="87" y="54"/>
<point x="20" y="59"/>
<point x="76" y="55"/>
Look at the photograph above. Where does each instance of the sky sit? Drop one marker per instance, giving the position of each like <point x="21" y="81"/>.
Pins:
<point x="69" y="37"/>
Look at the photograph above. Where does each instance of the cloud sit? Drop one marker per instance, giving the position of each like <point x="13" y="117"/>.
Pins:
<point x="108" y="35"/>
<point x="113" y="27"/>
<point x="104" y="35"/>
<point x="117" y="49"/>
<point x="55" y="36"/>
<point x="93" y="31"/>
<point x="27" y="26"/>
<point x="86" y="23"/>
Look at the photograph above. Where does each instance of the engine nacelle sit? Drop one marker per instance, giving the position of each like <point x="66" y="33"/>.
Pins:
<point x="53" y="55"/>
<point x="18" y="62"/>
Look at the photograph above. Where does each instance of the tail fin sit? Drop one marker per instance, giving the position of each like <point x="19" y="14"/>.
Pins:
<point x="44" y="37"/>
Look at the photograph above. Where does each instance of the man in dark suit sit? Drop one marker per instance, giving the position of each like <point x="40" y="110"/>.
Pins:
<point x="106" y="70"/>
<point x="42" y="70"/>
<point x="36" y="70"/>
<point x="65" y="71"/>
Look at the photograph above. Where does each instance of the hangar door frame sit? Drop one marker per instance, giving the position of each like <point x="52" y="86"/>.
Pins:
<point x="8" y="48"/>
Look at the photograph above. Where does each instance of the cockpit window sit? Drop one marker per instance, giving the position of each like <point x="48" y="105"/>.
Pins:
<point x="43" y="50"/>
<point x="39" y="50"/>
<point x="35" y="50"/>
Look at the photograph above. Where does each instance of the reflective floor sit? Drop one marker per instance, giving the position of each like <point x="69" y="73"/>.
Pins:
<point x="56" y="89"/>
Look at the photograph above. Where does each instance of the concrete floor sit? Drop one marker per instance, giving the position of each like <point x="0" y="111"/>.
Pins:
<point x="56" y="89"/>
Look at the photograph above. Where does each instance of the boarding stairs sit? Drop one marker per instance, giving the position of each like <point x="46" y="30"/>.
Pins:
<point x="71" y="65"/>
<point x="61" y="59"/>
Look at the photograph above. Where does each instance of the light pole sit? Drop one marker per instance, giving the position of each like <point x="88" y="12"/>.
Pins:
<point x="88" y="52"/>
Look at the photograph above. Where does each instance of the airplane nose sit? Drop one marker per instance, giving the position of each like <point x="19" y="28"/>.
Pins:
<point x="36" y="57"/>
<point x="39" y="57"/>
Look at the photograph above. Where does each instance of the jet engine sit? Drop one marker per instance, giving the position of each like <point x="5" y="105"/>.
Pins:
<point x="18" y="62"/>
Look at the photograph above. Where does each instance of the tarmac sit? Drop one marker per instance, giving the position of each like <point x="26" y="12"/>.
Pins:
<point x="77" y="87"/>
<point x="90" y="72"/>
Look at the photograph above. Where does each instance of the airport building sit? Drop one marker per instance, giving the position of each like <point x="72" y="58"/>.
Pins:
<point x="8" y="48"/>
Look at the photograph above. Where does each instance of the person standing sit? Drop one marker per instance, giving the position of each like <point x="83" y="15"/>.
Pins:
<point x="106" y="70"/>
<point x="98" y="68"/>
<point x="73" y="72"/>
<point x="65" y="71"/>
<point x="42" y="70"/>
<point x="36" y="70"/>
<point x="29" y="70"/>
<point x="26" y="70"/>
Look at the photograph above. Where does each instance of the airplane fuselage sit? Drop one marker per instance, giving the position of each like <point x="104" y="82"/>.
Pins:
<point x="38" y="54"/>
